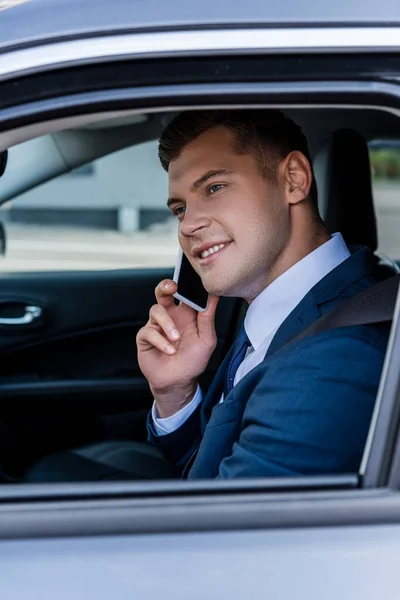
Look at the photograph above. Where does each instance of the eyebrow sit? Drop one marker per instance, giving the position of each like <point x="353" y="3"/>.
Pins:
<point x="199" y="182"/>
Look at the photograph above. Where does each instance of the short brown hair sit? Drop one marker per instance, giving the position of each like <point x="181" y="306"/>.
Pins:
<point x="268" y="134"/>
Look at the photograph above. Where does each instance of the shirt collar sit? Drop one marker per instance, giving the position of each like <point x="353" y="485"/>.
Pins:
<point x="270" y="308"/>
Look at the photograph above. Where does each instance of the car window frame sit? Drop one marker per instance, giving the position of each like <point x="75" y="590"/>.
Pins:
<point x="264" y="499"/>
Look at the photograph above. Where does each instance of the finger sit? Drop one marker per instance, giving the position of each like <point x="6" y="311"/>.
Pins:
<point x="150" y="338"/>
<point x="164" y="293"/>
<point x="205" y="320"/>
<point x="159" y="316"/>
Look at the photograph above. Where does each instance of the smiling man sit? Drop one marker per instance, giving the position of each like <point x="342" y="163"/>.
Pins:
<point x="241" y="186"/>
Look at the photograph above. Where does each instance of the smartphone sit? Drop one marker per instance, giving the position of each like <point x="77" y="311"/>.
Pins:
<point x="190" y="288"/>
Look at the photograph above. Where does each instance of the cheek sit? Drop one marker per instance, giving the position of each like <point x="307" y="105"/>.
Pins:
<point x="185" y="246"/>
<point x="260" y="227"/>
<point x="183" y="241"/>
<point x="249" y="217"/>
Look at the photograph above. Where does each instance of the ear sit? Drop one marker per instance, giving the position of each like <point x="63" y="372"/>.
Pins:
<point x="298" y="177"/>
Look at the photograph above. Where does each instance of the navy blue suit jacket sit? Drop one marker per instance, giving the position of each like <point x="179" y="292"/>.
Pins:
<point x="305" y="410"/>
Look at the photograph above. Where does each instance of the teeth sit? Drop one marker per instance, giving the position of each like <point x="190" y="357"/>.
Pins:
<point x="206" y="253"/>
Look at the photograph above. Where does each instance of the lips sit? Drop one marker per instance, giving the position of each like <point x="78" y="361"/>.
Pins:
<point x="212" y="253"/>
<point x="212" y="250"/>
<point x="209" y="248"/>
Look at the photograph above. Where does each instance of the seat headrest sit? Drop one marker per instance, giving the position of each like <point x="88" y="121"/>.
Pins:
<point x="3" y="161"/>
<point x="343" y="174"/>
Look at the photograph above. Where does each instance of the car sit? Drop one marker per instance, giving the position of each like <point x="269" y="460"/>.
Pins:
<point x="81" y="84"/>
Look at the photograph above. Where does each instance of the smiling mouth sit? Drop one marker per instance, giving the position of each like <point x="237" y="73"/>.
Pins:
<point x="213" y="250"/>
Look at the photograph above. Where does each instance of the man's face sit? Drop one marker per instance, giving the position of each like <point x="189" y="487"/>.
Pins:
<point x="233" y="223"/>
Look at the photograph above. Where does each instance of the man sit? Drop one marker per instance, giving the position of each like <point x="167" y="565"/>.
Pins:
<point x="241" y="187"/>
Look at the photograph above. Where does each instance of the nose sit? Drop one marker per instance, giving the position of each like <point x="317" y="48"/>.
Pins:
<point x="193" y="221"/>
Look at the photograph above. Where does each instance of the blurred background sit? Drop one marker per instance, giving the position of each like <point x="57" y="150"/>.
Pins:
<point x="112" y="213"/>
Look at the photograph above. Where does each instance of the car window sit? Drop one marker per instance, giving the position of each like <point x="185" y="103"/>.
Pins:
<point x="108" y="214"/>
<point x="385" y="168"/>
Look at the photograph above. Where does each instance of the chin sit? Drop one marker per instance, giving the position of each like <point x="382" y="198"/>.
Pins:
<point x="224" y="282"/>
<point x="219" y="289"/>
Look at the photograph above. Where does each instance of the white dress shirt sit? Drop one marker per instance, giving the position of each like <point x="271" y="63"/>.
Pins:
<point x="266" y="314"/>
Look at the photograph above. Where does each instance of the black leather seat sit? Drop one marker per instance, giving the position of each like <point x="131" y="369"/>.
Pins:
<point x="343" y="174"/>
<point x="115" y="460"/>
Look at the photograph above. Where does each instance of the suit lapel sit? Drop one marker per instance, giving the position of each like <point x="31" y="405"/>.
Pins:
<point x="305" y="313"/>
<point x="357" y="266"/>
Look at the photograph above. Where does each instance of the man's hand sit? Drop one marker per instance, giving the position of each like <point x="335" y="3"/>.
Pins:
<point x="174" y="348"/>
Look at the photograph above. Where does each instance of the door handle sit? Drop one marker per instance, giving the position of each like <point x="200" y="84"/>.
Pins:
<point x="32" y="313"/>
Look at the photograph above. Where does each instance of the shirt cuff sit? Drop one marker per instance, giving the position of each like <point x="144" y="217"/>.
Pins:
<point x="170" y="424"/>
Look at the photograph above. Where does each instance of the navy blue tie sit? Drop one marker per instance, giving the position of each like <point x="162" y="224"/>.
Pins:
<point x="239" y="350"/>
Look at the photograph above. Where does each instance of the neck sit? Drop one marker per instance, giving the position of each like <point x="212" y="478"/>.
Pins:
<point x="302" y="242"/>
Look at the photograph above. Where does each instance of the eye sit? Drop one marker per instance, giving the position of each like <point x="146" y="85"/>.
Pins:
<point x="215" y="187"/>
<point x="179" y="211"/>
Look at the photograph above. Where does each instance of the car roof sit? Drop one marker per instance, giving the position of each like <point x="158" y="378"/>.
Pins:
<point x="26" y="22"/>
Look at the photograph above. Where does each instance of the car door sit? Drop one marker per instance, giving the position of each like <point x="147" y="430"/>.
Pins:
<point x="85" y="251"/>
<point x="318" y="537"/>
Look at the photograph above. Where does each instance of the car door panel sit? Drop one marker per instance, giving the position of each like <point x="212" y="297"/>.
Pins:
<point x="72" y="377"/>
<point x="85" y="341"/>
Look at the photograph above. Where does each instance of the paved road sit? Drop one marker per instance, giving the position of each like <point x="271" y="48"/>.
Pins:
<point x="31" y="248"/>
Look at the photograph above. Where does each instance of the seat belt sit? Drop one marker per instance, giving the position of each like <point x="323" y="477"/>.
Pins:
<point x="375" y="304"/>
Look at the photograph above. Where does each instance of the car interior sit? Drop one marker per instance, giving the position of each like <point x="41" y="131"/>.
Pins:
<point x="70" y="382"/>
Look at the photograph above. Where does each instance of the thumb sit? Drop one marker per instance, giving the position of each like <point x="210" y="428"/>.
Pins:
<point x="205" y="320"/>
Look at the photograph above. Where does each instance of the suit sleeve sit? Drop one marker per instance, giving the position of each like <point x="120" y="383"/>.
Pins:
<point x="172" y="423"/>
<point x="310" y="412"/>
<point x="180" y="445"/>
